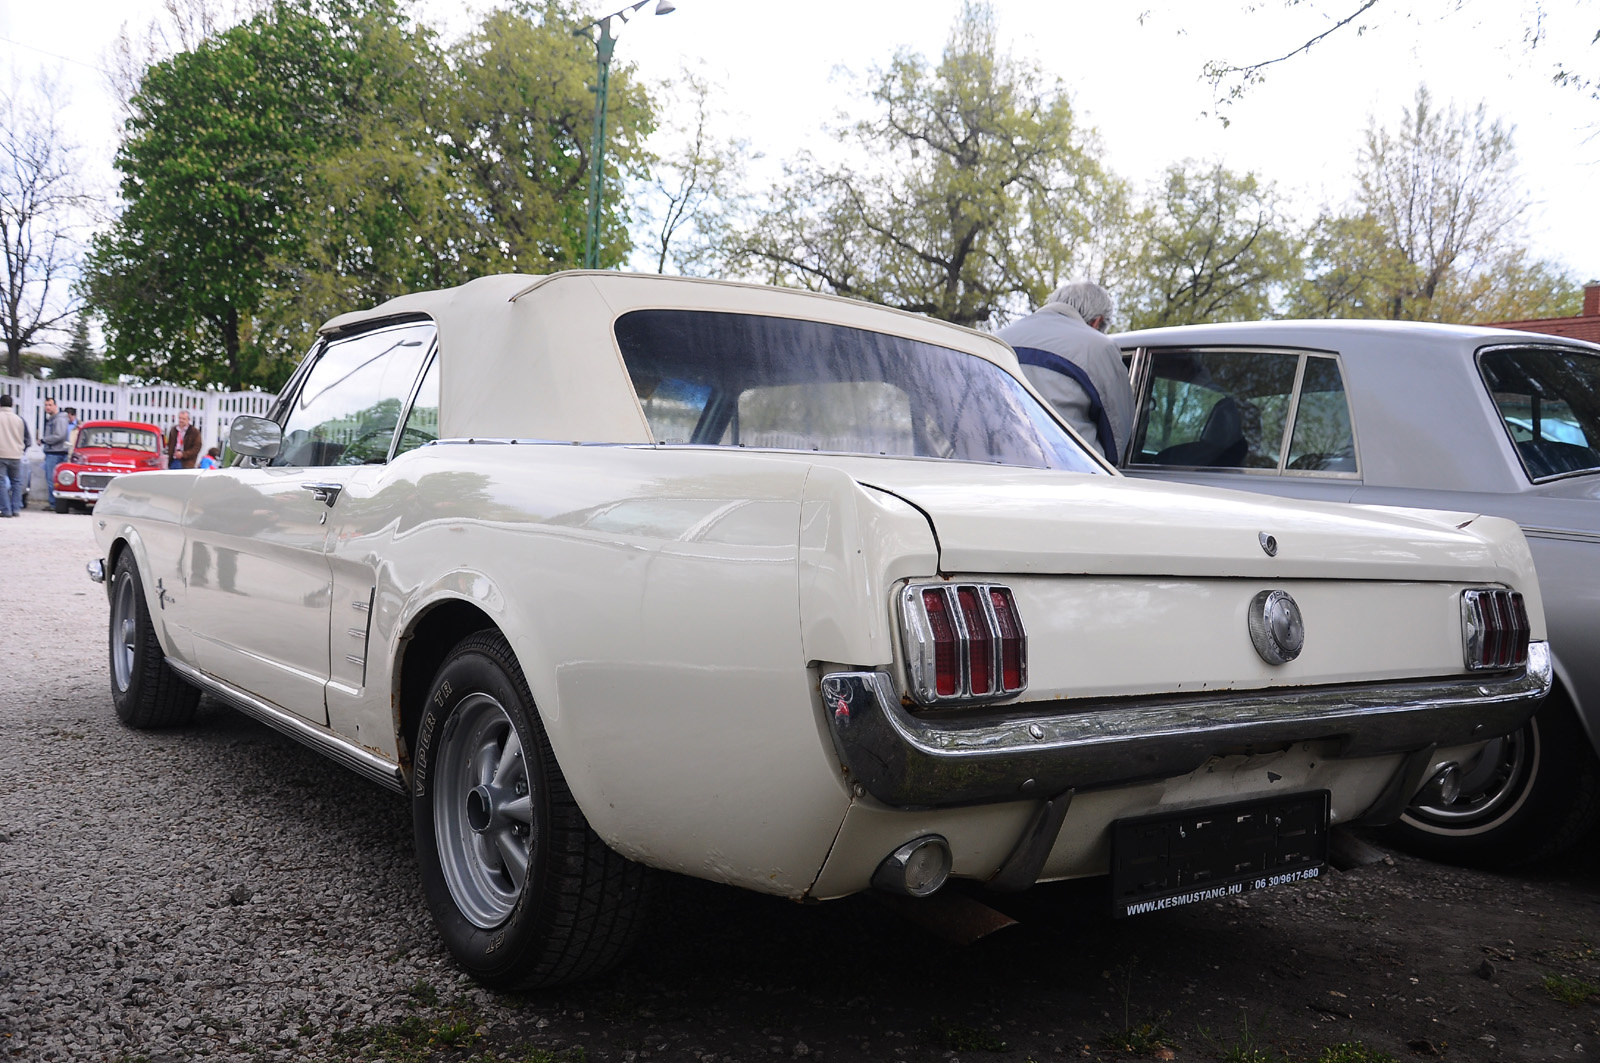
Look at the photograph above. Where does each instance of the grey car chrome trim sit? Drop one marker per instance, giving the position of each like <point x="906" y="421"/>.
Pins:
<point x="1544" y="533"/>
<point x="364" y="762"/>
<point x="912" y="761"/>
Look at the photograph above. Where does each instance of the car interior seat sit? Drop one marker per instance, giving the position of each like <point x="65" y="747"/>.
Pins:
<point x="1221" y="443"/>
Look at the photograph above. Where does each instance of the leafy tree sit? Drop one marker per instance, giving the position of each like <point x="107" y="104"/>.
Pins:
<point x="1436" y="229"/>
<point x="467" y="160"/>
<point x="78" y="359"/>
<point x="975" y="191"/>
<point x="519" y="126"/>
<point x="328" y="154"/>
<point x="1351" y="269"/>
<point x="39" y="204"/>
<point x="213" y="152"/>
<point x="1215" y="248"/>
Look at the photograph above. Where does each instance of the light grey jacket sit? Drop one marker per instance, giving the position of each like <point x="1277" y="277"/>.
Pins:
<point x="53" y="436"/>
<point x="1079" y="370"/>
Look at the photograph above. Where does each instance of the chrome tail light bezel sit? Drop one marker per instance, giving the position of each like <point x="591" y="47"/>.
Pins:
<point x="920" y="648"/>
<point x="1495" y="629"/>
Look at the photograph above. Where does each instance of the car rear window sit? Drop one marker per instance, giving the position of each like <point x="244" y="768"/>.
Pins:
<point x="1549" y="400"/>
<point x="742" y="380"/>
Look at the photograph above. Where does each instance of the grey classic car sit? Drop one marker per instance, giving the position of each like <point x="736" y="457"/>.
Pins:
<point x="1433" y="416"/>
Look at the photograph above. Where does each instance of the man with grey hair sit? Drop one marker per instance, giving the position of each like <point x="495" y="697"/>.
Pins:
<point x="1068" y="359"/>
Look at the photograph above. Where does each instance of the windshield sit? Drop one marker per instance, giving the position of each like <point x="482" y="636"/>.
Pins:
<point x="742" y="380"/>
<point x="1549" y="399"/>
<point x="102" y="435"/>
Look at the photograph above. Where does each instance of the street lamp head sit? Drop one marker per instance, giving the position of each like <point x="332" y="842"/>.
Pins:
<point x="665" y="7"/>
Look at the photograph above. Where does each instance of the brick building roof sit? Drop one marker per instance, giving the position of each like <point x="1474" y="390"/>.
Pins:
<point x="1586" y="326"/>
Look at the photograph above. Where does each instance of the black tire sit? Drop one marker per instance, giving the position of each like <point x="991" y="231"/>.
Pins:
<point x="63" y="506"/>
<point x="577" y="907"/>
<point x="1541" y="795"/>
<point x="144" y="690"/>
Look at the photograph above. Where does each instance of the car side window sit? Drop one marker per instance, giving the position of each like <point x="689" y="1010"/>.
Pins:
<point x="1549" y="399"/>
<point x="1233" y="409"/>
<point x="1322" y="440"/>
<point x="348" y="406"/>
<point x="1215" y="409"/>
<point x="422" y="422"/>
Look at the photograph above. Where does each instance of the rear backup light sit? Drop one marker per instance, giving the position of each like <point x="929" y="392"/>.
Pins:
<point x="963" y="642"/>
<point x="946" y="665"/>
<point x="1494" y="629"/>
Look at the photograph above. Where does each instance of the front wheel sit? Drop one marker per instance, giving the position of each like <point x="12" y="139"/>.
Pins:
<point x="144" y="690"/>
<point x="1527" y="796"/>
<point x="523" y="891"/>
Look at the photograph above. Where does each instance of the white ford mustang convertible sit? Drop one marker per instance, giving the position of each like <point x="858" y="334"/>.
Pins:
<point x="609" y="573"/>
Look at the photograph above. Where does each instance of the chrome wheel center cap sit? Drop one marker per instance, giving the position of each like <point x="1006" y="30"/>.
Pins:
<point x="1276" y="628"/>
<point x="480" y="808"/>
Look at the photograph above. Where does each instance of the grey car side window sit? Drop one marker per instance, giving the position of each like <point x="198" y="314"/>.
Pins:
<point x="1235" y="409"/>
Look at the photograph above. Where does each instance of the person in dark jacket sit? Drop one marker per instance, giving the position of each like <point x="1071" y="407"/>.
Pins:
<point x="183" y="443"/>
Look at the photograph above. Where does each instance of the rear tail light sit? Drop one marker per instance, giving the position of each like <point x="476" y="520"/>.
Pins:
<point x="1494" y="629"/>
<point x="963" y="642"/>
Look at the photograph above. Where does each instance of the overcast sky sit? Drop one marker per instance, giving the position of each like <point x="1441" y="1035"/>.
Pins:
<point x="1133" y="71"/>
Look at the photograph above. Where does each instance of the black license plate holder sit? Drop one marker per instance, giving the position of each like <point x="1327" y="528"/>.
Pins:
<point x="1170" y="859"/>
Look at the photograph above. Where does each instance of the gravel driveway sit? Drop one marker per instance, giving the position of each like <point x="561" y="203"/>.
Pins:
<point x="219" y="892"/>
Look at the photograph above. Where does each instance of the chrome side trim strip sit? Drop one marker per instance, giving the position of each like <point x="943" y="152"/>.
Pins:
<point x="362" y="761"/>
<point x="1570" y="534"/>
<point x="929" y="761"/>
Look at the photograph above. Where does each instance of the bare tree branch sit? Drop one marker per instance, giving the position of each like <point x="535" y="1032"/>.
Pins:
<point x="40" y="201"/>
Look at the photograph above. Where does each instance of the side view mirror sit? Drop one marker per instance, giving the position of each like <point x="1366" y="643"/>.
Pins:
<point x="254" y="437"/>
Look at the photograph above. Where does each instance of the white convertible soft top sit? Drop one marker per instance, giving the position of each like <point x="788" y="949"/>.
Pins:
<point x="536" y="358"/>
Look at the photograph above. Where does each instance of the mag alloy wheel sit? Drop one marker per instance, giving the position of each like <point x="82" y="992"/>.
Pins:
<point x="124" y="632"/>
<point x="483" y="811"/>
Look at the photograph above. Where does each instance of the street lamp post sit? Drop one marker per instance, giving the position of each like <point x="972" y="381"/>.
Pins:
<point x="604" y="44"/>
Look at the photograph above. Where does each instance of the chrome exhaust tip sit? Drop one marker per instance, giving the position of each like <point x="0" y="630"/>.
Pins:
<point x="916" y="869"/>
<point x="1445" y="786"/>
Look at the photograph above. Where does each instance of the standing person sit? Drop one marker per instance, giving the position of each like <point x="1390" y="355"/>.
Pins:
<point x="183" y="443"/>
<point x="1067" y="357"/>
<point x="13" y="442"/>
<point x="54" y="438"/>
<point x="72" y="422"/>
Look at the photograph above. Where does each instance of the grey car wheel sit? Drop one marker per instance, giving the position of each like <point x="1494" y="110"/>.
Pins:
<point x="1527" y="796"/>
<point x="145" y="692"/>
<point x="522" y="890"/>
<point x="483" y="810"/>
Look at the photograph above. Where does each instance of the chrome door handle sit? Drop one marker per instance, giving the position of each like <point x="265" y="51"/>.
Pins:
<point x="327" y="494"/>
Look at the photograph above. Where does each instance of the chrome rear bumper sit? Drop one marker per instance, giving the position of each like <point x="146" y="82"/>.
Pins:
<point x="1042" y="749"/>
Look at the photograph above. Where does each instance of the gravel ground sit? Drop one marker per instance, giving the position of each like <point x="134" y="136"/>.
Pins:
<point x="219" y="892"/>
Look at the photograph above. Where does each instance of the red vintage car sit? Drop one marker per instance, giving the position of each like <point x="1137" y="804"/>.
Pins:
<point x="102" y="451"/>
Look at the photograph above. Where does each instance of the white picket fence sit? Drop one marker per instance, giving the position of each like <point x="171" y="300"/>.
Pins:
<point x="212" y="411"/>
